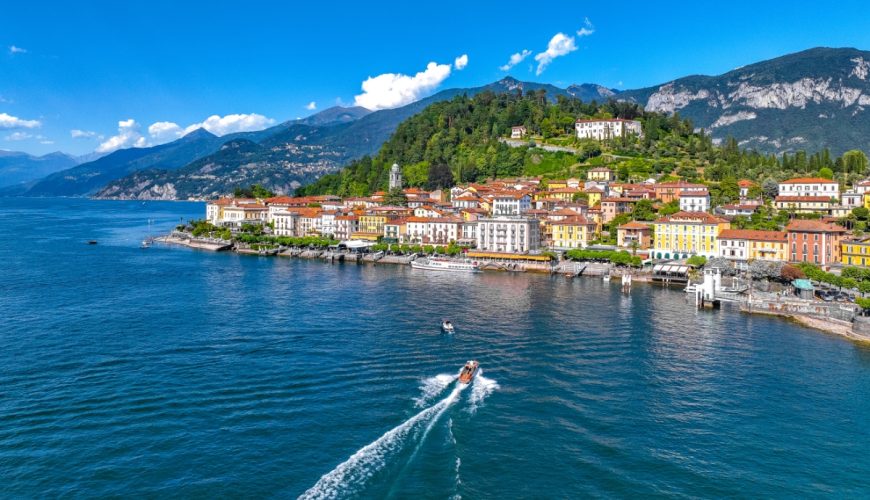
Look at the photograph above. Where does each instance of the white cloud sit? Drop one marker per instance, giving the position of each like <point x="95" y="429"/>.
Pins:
<point x="83" y="134"/>
<point x="128" y="136"/>
<point x="587" y="28"/>
<point x="9" y="121"/>
<point x="311" y="106"/>
<point x="165" y="131"/>
<point x="516" y="59"/>
<point x="16" y="50"/>
<point x="560" y="45"/>
<point x="162" y="132"/>
<point x="19" y="136"/>
<point x="461" y="62"/>
<point x="46" y="141"/>
<point x="391" y="90"/>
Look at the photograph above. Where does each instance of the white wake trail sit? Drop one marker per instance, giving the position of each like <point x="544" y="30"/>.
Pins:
<point x="344" y="479"/>
<point x="432" y="387"/>
<point x="481" y="388"/>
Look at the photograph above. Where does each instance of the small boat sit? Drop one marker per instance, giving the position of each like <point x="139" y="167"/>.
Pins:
<point x="92" y="242"/>
<point x="468" y="372"/>
<point x="442" y="264"/>
<point x="146" y="243"/>
<point x="606" y="277"/>
<point x="447" y="326"/>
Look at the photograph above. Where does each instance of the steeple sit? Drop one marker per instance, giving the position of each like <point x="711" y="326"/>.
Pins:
<point x="395" y="177"/>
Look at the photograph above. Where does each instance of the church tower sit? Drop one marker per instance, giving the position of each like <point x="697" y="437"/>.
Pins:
<point x="395" y="177"/>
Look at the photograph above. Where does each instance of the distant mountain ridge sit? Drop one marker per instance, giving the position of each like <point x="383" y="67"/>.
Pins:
<point x="17" y="168"/>
<point x="808" y="100"/>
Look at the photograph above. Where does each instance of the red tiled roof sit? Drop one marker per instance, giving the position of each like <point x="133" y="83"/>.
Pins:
<point x="576" y="220"/>
<point x="691" y="217"/>
<point x="634" y="225"/>
<point x="813" y="226"/>
<point x="752" y="234"/>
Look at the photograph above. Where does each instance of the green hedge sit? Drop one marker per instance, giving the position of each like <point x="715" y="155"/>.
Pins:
<point x="620" y="258"/>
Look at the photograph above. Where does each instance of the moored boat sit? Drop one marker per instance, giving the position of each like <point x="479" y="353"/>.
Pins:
<point x="466" y="375"/>
<point x="447" y="326"/>
<point x="442" y="264"/>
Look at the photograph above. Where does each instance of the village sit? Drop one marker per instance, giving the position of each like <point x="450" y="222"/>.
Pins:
<point x="666" y="230"/>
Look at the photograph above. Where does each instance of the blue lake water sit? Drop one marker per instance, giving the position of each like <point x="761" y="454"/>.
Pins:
<point x="170" y="372"/>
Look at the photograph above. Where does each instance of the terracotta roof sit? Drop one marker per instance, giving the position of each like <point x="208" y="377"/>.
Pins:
<point x="618" y="200"/>
<point x="808" y="180"/>
<point x="813" y="226"/>
<point x="577" y="220"/>
<point x="691" y="217"/>
<point x="689" y="194"/>
<point x="595" y="189"/>
<point x="565" y="190"/>
<point x="634" y="225"/>
<point x="825" y="199"/>
<point x="678" y="184"/>
<point x="745" y="183"/>
<point x="753" y="234"/>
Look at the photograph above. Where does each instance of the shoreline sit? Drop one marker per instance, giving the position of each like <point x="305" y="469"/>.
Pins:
<point x="827" y="325"/>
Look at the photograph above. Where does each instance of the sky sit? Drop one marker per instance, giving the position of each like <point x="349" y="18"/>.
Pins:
<point x="90" y="76"/>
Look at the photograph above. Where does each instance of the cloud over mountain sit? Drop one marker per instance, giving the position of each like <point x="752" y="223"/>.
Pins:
<point x="391" y="90"/>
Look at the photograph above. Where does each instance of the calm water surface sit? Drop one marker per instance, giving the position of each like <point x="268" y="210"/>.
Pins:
<point x="173" y="372"/>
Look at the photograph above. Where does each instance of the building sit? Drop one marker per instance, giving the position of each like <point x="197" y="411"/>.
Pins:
<point x="600" y="174"/>
<point x="856" y="252"/>
<point x="803" y="204"/>
<point x="518" y="132"/>
<point x="634" y="235"/>
<point x="571" y="232"/>
<point x="743" y="245"/>
<point x="508" y="204"/>
<point x="395" y="177"/>
<point x="612" y="207"/>
<point x="814" y="241"/>
<point x="695" y="201"/>
<point x="735" y="210"/>
<point x="688" y="233"/>
<point x="508" y="235"/>
<point x="285" y="223"/>
<point x="670" y="191"/>
<point x="433" y="231"/>
<point x="745" y="185"/>
<point x="601" y="130"/>
<point x="346" y="226"/>
<point x="852" y="199"/>
<point x="247" y="213"/>
<point x="810" y="186"/>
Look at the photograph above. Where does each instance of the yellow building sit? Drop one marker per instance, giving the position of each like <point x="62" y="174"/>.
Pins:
<point x="856" y="252"/>
<point x="594" y="195"/>
<point x="564" y="194"/>
<point x="687" y="233"/>
<point x="750" y="244"/>
<point x="602" y="174"/>
<point x="372" y="223"/>
<point x="867" y="200"/>
<point x="803" y="204"/>
<point x="572" y="232"/>
<point x="557" y="184"/>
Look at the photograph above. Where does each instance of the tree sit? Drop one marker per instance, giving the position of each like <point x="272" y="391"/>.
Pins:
<point x="643" y="210"/>
<point x="770" y="188"/>
<point x="861" y="213"/>
<point x="854" y="161"/>
<point x="826" y="173"/>
<point x="669" y="208"/>
<point x="396" y="197"/>
<point x="440" y="176"/>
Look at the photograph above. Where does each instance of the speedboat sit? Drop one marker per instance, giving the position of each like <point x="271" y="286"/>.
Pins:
<point x="442" y="264"/>
<point x="606" y="277"/>
<point x="447" y="326"/>
<point x="466" y="375"/>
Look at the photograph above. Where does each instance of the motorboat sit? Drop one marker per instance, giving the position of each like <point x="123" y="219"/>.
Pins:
<point x="606" y="277"/>
<point x="442" y="264"/>
<point x="466" y="375"/>
<point x="447" y="326"/>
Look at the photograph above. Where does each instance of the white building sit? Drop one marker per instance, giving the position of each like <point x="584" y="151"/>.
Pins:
<point x="852" y="199"/>
<point x="510" y="204"/>
<point x="437" y="231"/>
<point x="469" y="232"/>
<point x="518" y="132"/>
<point x="327" y="223"/>
<point x="508" y="235"/>
<point x="695" y="201"/>
<point x="607" y="129"/>
<point x="285" y="223"/>
<point x="810" y="186"/>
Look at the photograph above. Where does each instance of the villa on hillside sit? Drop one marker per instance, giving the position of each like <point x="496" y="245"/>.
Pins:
<point x="604" y="129"/>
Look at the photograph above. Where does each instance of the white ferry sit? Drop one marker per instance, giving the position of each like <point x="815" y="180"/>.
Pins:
<point x="441" y="264"/>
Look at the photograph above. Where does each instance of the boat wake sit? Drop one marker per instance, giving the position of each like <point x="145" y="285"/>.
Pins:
<point x="350" y="476"/>
<point x="432" y="387"/>
<point x="481" y="388"/>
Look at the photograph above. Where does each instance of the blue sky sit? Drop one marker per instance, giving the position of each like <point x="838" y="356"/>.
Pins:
<point x="110" y="71"/>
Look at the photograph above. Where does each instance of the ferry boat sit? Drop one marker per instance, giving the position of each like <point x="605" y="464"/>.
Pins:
<point x="466" y="375"/>
<point x="447" y="326"/>
<point x="442" y="264"/>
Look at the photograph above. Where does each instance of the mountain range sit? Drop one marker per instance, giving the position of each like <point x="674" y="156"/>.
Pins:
<point x="807" y="100"/>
